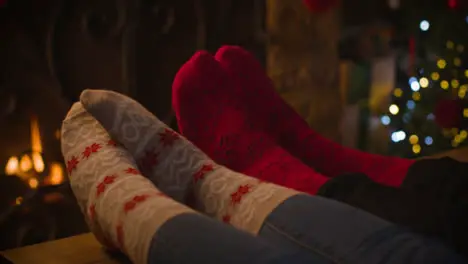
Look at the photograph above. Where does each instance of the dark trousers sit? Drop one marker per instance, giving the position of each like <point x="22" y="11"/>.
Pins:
<point x="303" y="229"/>
<point x="432" y="200"/>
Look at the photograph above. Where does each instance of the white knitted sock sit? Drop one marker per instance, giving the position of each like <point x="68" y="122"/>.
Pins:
<point x="179" y="168"/>
<point x="123" y="209"/>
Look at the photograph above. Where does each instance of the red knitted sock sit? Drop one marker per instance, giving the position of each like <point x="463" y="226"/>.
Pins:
<point x="281" y="122"/>
<point x="207" y="116"/>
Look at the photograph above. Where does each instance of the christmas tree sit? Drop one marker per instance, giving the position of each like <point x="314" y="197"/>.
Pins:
<point x="428" y="111"/>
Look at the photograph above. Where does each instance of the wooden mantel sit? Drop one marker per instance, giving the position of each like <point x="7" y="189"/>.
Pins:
<point x="81" y="249"/>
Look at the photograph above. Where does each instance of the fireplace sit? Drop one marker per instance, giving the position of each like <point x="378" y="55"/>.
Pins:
<point x="31" y="167"/>
<point x="53" y="50"/>
<point x="37" y="203"/>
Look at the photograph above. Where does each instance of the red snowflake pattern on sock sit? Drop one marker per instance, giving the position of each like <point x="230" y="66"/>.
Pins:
<point x="132" y="171"/>
<point x="236" y="197"/>
<point x="168" y="137"/>
<point x="93" y="148"/>
<point x="130" y="205"/>
<point x="72" y="164"/>
<point x="201" y="173"/>
<point x="101" y="187"/>
<point x="112" y="143"/>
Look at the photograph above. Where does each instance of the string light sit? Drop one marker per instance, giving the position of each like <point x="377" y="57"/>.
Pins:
<point x="416" y="148"/>
<point x="462" y="91"/>
<point x="413" y="139"/>
<point x="428" y="140"/>
<point x="450" y="44"/>
<point x="410" y="104"/>
<point x="385" y="120"/>
<point x="450" y="78"/>
<point x="465" y="112"/>
<point x="398" y="136"/>
<point x="424" y="25"/>
<point x="415" y="86"/>
<point x="394" y="109"/>
<point x="424" y="82"/>
<point x="398" y="92"/>
<point x="463" y="134"/>
<point x="441" y="63"/>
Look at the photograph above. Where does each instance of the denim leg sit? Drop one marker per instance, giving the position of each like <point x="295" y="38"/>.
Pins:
<point x="344" y="234"/>
<point x="194" y="238"/>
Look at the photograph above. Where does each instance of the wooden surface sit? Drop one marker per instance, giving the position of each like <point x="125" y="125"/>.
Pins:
<point x="82" y="249"/>
<point x="460" y="154"/>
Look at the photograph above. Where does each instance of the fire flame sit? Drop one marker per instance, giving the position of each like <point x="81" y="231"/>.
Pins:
<point x="12" y="166"/>
<point x="56" y="175"/>
<point x="33" y="183"/>
<point x="36" y="145"/>
<point x="25" y="163"/>
<point x="28" y="166"/>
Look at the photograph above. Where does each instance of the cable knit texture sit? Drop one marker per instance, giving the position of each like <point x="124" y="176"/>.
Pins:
<point x="180" y="169"/>
<point x="123" y="209"/>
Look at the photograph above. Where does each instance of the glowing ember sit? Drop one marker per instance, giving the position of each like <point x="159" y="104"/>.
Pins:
<point x="19" y="200"/>
<point x="33" y="183"/>
<point x="56" y="175"/>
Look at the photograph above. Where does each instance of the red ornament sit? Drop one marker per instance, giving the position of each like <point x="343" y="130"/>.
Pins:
<point x="449" y="113"/>
<point x="320" y="6"/>
<point x="452" y="3"/>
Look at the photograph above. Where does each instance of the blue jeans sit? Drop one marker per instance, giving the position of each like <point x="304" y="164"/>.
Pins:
<point x="303" y="229"/>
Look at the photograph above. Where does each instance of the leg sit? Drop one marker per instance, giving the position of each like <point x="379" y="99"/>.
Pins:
<point x="344" y="234"/>
<point x="422" y="212"/>
<point x="193" y="238"/>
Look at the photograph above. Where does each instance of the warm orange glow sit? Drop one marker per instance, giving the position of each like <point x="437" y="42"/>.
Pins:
<point x="33" y="183"/>
<point x="25" y="163"/>
<point x="12" y="166"/>
<point x="19" y="200"/>
<point x="38" y="162"/>
<point x="53" y="198"/>
<point x="36" y="145"/>
<point x="58" y="134"/>
<point x="56" y="175"/>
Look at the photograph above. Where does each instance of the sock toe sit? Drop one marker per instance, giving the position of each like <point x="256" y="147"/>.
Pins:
<point x="239" y="62"/>
<point x="200" y="76"/>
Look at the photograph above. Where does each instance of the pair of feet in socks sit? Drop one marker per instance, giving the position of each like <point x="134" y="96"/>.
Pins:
<point x="227" y="106"/>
